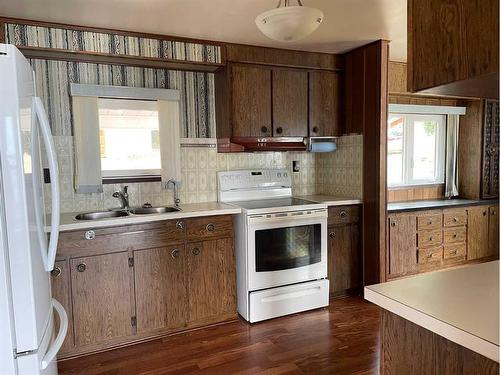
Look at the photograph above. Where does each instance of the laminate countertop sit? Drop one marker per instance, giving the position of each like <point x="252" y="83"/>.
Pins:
<point x="436" y="203"/>
<point x="331" y="200"/>
<point x="460" y="305"/>
<point x="68" y="221"/>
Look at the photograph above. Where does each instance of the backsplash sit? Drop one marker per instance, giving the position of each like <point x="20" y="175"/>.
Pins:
<point x="338" y="173"/>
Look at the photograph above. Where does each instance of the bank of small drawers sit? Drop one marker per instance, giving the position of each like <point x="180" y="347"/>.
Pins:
<point x="441" y="236"/>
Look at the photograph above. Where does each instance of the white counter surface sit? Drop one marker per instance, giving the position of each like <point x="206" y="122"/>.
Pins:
<point x="331" y="200"/>
<point x="460" y="305"/>
<point x="68" y="221"/>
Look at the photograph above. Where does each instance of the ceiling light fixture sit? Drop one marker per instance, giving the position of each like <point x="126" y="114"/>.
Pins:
<point x="287" y="23"/>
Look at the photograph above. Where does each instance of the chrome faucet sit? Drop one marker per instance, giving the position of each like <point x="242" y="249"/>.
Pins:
<point x="176" y="191"/>
<point x="122" y="195"/>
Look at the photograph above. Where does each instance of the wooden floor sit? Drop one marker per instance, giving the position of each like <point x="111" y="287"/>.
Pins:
<point x="343" y="339"/>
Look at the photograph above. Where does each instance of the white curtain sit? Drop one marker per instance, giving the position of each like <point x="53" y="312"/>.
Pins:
<point x="87" y="178"/>
<point x="451" y="168"/>
<point x="170" y="140"/>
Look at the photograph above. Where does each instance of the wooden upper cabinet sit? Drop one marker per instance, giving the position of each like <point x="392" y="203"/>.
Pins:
<point x="211" y="284"/>
<point x="102" y="298"/>
<point x="251" y="101"/>
<point x="453" y="47"/>
<point x="161" y="294"/>
<point x="493" y="230"/>
<point x="355" y="79"/>
<point x="289" y="103"/>
<point x="402" y="244"/>
<point x="324" y="104"/>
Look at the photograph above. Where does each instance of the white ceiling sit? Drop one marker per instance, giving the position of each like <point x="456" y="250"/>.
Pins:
<point x="347" y="24"/>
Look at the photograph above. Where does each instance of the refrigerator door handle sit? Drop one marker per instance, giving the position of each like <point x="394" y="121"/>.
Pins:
<point x="61" y="335"/>
<point x="43" y="120"/>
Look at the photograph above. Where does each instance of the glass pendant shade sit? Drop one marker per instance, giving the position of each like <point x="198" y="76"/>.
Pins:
<point x="289" y="23"/>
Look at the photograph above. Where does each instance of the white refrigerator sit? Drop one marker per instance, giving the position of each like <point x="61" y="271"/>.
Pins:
<point x="28" y="343"/>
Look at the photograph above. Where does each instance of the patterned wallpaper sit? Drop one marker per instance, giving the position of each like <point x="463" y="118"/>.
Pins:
<point x="79" y="40"/>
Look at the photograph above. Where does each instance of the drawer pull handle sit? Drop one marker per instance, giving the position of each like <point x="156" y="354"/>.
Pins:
<point x="82" y="267"/>
<point x="55" y="272"/>
<point x="175" y="253"/>
<point x="179" y="225"/>
<point x="343" y="214"/>
<point x="210" y="227"/>
<point x="393" y="224"/>
<point x="196" y="251"/>
<point x="484" y="213"/>
<point x="315" y="129"/>
<point x="89" y="235"/>
<point x="454" y="235"/>
<point x="430" y="238"/>
<point x="455" y="219"/>
<point x="332" y="234"/>
<point x="430" y="256"/>
<point x="429" y="222"/>
<point x="454" y="252"/>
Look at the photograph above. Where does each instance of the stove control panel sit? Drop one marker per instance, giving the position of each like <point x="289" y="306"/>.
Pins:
<point x="254" y="179"/>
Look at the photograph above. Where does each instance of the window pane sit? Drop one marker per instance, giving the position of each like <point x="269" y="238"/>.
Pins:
<point x="424" y="150"/>
<point x="129" y="135"/>
<point x="395" y="132"/>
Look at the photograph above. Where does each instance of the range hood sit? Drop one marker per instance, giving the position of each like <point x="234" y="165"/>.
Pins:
<point x="249" y="144"/>
<point x="321" y="144"/>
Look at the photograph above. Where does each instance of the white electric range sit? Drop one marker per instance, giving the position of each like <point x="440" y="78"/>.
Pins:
<point x="281" y="244"/>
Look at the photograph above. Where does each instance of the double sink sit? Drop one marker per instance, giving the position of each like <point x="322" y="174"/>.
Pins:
<point x="124" y="213"/>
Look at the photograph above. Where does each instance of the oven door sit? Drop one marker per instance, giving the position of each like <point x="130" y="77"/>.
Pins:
<point x="286" y="248"/>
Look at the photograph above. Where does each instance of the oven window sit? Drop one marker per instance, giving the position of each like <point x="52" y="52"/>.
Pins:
<point x="286" y="248"/>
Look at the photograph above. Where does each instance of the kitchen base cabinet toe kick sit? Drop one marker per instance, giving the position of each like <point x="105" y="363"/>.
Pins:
<point x="133" y="283"/>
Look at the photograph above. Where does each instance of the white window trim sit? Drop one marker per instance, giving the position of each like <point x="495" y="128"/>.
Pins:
<point x="408" y="148"/>
<point x="123" y="92"/>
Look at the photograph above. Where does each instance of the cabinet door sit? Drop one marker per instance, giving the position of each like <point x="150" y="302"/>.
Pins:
<point x="289" y="103"/>
<point x="211" y="281"/>
<point x="59" y="278"/>
<point x="324" y="105"/>
<point x="160" y="288"/>
<point x="102" y="306"/>
<point x="402" y="244"/>
<point x="343" y="258"/>
<point x="251" y="101"/>
<point x="493" y="230"/>
<point x="477" y="232"/>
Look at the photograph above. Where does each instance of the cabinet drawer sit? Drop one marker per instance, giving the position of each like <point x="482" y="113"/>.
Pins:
<point x="343" y="214"/>
<point x="428" y="238"/>
<point x="206" y="228"/>
<point x="454" y="218"/>
<point x="430" y="221"/>
<point x="456" y="234"/>
<point x="122" y="238"/>
<point x="432" y="255"/>
<point x="454" y="251"/>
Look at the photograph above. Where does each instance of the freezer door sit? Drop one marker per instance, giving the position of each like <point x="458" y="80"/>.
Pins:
<point x="20" y="160"/>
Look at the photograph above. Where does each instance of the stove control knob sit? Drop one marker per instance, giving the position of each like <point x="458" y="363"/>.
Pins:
<point x="285" y="175"/>
<point x="279" y="174"/>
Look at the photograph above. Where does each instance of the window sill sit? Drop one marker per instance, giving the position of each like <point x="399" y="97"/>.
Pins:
<point x="130" y="179"/>
<point x="404" y="187"/>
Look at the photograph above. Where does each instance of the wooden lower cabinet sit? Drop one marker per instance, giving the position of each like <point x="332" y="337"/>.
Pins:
<point x="211" y="281"/>
<point x="402" y="256"/>
<point x="493" y="231"/>
<point x="477" y="232"/>
<point x="161" y="293"/>
<point x="142" y="292"/>
<point x="344" y="258"/>
<point x="102" y="298"/>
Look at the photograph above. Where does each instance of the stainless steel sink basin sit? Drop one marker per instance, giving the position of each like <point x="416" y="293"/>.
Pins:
<point x="153" y="210"/>
<point x="101" y="215"/>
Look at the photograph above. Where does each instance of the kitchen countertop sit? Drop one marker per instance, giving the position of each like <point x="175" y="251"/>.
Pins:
<point x="68" y="221"/>
<point x="436" y="203"/>
<point x="460" y="305"/>
<point x="331" y="200"/>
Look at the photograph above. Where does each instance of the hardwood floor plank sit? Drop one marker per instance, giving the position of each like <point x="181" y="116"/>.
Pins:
<point x="342" y="339"/>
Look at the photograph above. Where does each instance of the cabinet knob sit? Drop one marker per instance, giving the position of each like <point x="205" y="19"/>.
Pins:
<point x="279" y="130"/>
<point x="455" y="219"/>
<point x="454" y="252"/>
<point x="55" y="272"/>
<point x="264" y="129"/>
<point x="454" y="235"/>
<point x="175" y="253"/>
<point x="179" y="225"/>
<point x="343" y="214"/>
<point x="195" y="251"/>
<point x="393" y="224"/>
<point x="492" y="213"/>
<point x="315" y="129"/>
<point x="81" y="267"/>
<point x="429" y="222"/>
<point x="210" y="227"/>
<point x="89" y="235"/>
<point x="430" y="238"/>
<point x="332" y="234"/>
<point x="484" y="213"/>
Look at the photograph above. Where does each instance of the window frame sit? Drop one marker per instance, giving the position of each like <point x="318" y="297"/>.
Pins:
<point x="409" y="120"/>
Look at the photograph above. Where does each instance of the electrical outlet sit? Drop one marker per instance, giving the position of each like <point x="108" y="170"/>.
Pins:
<point x="295" y="166"/>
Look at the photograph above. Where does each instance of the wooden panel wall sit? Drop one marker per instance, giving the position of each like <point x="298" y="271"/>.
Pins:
<point x="369" y="108"/>
<point x="413" y="193"/>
